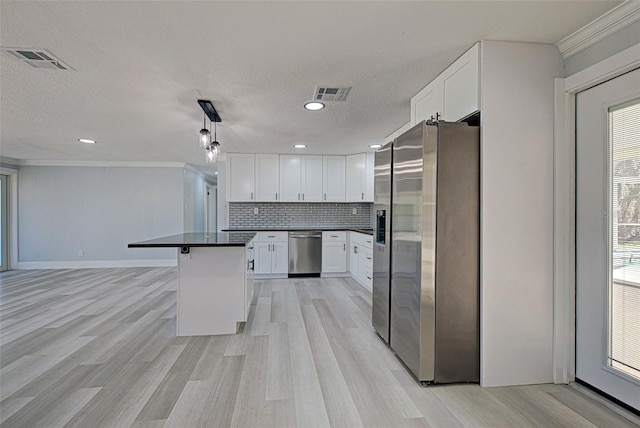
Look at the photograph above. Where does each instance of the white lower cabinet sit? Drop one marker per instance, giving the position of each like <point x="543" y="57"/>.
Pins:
<point x="271" y="254"/>
<point x="334" y="252"/>
<point x="361" y="258"/>
<point x="353" y="259"/>
<point x="248" y="278"/>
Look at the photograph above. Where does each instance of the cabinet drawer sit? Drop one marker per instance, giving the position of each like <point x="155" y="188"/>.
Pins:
<point x="367" y="260"/>
<point x="362" y="239"/>
<point x="340" y="236"/>
<point x="272" y="236"/>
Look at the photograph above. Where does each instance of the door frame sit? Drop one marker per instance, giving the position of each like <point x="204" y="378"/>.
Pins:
<point x="210" y="194"/>
<point x="12" y="215"/>
<point x="564" y="202"/>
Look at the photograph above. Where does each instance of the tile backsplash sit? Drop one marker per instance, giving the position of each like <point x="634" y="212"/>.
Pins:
<point x="311" y="215"/>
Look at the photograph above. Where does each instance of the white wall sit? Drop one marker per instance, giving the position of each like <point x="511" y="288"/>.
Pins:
<point x="517" y="103"/>
<point x="223" y="205"/>
<point x="194" y="200"/>
<point x="99" y="210"/>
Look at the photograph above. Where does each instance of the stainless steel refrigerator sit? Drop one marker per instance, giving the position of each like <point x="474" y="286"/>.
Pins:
<point x="382" y="241"/>
<point x="432" y="247"/>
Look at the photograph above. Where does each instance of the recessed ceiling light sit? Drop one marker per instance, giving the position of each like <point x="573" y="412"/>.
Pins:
<point x="299" y="146"/>
<point x="375" y="146"/>
<point x="86" y="141"/>
<point x="314" y="105"/>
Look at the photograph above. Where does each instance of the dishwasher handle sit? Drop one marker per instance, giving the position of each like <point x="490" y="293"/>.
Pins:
<point x="319" y="235"/>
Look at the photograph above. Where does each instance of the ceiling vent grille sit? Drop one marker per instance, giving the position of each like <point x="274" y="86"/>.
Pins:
<point x="38" y="58"/>
<point x="331" y="93"/>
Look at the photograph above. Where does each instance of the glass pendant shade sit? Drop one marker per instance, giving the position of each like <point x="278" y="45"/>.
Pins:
<point x="212" y="152"/>
<point x="204" y="137"/>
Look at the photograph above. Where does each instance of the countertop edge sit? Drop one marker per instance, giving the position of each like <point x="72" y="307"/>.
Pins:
<point x="197" y="240"/>
<point x="184" y="244"/>
<point x="298" y="229"/>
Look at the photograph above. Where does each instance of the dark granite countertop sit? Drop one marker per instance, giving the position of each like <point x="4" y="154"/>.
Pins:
<point x="294" y="229"/>
<point x="224" y="239"/>
<point x="365" y="231"/>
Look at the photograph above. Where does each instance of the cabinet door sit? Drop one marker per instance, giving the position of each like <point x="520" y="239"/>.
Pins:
<point x="280" y="257"/>
<point x="355" y="177"/>
<point x="333" y="178"/>
<point x="365" y="263"/>
<point x="368" y="177"/>
<point x="460" y="82"/>
<point x="334" y="257"/>
<point x="365" y="268"/>
<point x="353" y="259"/>
<point x="290" y="173"/>
<point x="267" y="178"/>
<point x="312" y="178"/>
<point x="262" y="258"/>
<point x="240" y="177"/>
<point x="428" y="103"/>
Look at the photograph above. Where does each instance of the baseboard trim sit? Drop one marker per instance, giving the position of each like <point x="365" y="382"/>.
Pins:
<point x="270" y="276"/>
<point x="335" y="275"/>
<point x="603" y="396"/>
<point x="361" y="283"/>
<point x="98" y="264"/>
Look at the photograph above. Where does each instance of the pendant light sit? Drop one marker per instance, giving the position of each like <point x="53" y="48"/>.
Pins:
<point x="211" y="148"/>
<point x="205" y="134"/>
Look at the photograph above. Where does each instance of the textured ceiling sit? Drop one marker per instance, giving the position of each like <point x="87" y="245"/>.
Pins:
<point x="141" y="66"/>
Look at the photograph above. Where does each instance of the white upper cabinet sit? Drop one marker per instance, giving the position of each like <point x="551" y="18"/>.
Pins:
<point x="267" y="177"/>
<point x="241" y="178"/>
<point x="311" y="178"/>
<point x="454" y="94"/>
<point x="300" y="178"/>
<point x="428" y="103"/>
<point x="355" y="177"/>
<point x="333" y="177"/>
<point x="359" y="177"/>
<point x="460" y="82"/>
<point x="290" y="178"/>
<point x="369" y="176"/>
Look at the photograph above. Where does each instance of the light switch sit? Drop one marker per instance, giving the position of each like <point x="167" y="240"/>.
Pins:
<point x="255" y="210"/>
<point x="354" y="211"/>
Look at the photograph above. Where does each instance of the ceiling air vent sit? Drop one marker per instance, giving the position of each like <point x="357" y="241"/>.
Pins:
<point x="331" y="93"/>
<point x="38" y="58"/>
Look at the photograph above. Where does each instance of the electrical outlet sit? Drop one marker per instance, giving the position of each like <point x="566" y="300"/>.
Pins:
<point x="255" y="210"/>
<point x="81" y="253"/>
<point x="354" y="211"/>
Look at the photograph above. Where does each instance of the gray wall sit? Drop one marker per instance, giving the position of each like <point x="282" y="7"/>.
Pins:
<point x="311" y="215"/>
<point x="194" y="197"/>
<point x="97" y="209"/>
<point x="615" y="43"/>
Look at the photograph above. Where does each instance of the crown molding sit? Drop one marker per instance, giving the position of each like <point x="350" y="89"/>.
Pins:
<point x="136" y="164"/>
<point x="600" y="28"/>
<point x="208" y="177"/>
<point x="9" y="161"/>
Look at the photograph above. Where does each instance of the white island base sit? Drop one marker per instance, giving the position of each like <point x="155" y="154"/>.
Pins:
<point x="215" y="288"/>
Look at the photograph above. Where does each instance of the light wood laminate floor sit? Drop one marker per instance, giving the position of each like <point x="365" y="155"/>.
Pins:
<point x="97" y="347"/>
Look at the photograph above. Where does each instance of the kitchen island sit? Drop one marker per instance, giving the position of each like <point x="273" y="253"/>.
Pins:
<point x="215" y="280"/>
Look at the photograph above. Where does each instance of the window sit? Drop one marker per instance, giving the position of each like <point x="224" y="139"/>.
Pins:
<point x="624" y="279"/>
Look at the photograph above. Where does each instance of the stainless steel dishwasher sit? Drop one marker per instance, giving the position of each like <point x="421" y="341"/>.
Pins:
<point x="305" y="253"/>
